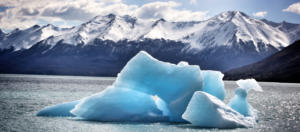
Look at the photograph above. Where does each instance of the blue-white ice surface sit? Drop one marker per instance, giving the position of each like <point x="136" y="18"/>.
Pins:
<point x="124" y="104"/>
<point x="175" y="84"/>
<point x="213" y="83"/>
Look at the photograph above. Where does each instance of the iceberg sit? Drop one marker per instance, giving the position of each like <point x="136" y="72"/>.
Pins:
<point x="149" y="90"/>
<point x="146" y="89"/>
<point x="205" y="110"/>
<point x="239" y="101"/>
<point x="213" y="83"/>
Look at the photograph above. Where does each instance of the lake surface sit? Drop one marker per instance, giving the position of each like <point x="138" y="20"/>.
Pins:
<point x="21" y="96"/>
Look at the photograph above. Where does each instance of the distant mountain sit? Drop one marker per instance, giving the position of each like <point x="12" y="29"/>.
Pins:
<point x="228" y="40"/>
<point x="283" y="66"/>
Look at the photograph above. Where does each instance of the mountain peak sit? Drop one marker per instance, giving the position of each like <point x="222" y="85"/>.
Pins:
<point x="100" y="18"/>
<point x="229" y="15"/>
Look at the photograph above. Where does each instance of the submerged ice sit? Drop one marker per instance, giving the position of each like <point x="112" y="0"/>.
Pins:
<point x="149" y="90"/>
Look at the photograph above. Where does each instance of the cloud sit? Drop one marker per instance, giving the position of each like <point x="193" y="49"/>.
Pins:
<point x="25" y="13"/>
<point x="294" y="8"/>
<point x="193" y="1"/>
<point x="168" y="11"/>
<point x="260" y="14"/>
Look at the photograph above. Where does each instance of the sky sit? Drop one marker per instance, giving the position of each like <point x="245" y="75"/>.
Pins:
<point x="67" y="13"/>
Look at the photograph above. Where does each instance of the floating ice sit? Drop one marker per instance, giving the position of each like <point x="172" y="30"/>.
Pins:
<point x="123" y="104"/>
<point x="175" y="84"/>
<point x="205" y="110"/>
<point x="149" y="90"/>
<point x="239" y="101"/>
<point x="146" y="89"/>
<point x="213" y="83"/>
<point x="58" y="110"/>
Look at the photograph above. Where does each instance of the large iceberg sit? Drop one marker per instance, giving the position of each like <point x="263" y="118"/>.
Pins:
<point x="205" y="110"/>
<point x="149" y="90"/>
<point x="142" y="79"/>
<point x="239" y="101"/>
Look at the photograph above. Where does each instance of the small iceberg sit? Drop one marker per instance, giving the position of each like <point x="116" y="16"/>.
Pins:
<point x="239" y="101"/>
<point x="205" y="110"/>
<point x="149" y="90"/>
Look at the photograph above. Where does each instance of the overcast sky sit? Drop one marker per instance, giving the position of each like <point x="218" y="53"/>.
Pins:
<point x="66" y="13"/>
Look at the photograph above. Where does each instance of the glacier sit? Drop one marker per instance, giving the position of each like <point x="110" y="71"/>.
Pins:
<point x="149" y="90"/>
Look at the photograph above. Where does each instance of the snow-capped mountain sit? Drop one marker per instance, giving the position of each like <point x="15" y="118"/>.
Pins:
<point x="228" y="40"/>
<point x="220" y="30"/>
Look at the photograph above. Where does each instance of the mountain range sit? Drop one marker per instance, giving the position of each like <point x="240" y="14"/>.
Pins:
<point x="103" y="45"/>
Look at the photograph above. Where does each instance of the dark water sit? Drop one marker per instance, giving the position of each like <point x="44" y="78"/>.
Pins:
<point x="21" y="96"/>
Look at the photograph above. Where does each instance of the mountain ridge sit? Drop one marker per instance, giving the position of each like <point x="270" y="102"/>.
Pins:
<point x="196" y="33"/>
<point x="228" y="40"/>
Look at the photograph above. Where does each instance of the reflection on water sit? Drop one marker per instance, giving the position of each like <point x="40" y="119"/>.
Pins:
<point x="21" y="96"/>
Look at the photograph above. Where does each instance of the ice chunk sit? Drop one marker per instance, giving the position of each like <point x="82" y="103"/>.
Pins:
<point x="205" y="110"/>
<point x="58" y="110"/>
<point x="120" y="104"/>
<point x="213" y="83"/>
<point x="175" y="84"/>
<point x="249" y="84"/>
<point x="239" y="101"/>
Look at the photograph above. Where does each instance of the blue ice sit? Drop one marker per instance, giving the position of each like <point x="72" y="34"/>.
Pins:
<point x="124" y="104"/>
<point x="213" y="83"/>
<point x="174" y="84"/>
<point x="239" y="101"/>
<point x="205" y="110"/>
